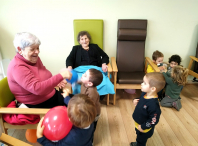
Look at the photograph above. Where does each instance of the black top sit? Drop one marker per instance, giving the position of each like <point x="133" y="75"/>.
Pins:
<point x="89" y="57"/>
<point x="94" y="56"/>
<point x="147" y="112"/>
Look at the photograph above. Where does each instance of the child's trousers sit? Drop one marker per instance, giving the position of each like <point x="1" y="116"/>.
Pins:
<point x="143" y="137"/>
<point x="167" y="101"/>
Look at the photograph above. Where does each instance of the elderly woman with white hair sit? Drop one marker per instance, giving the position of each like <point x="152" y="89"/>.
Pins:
<point x="30" y="82"/>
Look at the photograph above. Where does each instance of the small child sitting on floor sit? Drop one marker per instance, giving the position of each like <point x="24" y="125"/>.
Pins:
<point x="174" y="84"/>
<point x="174" y="60"/>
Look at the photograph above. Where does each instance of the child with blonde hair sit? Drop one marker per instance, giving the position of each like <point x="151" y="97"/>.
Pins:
<point x="175" y="81"/>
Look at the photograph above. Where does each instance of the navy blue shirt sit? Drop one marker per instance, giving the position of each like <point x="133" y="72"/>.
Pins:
<point x="147" y="112"/>
<point x="76" y="137"/>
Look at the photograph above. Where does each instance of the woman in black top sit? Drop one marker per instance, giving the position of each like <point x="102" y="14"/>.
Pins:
<point x="86" y="53"/>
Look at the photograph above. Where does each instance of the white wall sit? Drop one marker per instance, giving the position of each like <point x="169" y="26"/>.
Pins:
<point x="172" y="25"/>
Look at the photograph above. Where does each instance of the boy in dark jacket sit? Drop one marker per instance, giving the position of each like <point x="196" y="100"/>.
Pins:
<point x="147" y="112"/>
<point x="81" y="112"/>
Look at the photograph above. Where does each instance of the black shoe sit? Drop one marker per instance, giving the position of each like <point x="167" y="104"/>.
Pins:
<point x="195" y="79"/>
<point x="133" y="144"/>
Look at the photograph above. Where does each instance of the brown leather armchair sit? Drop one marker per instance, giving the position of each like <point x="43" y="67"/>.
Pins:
<point x="128" y="69"/>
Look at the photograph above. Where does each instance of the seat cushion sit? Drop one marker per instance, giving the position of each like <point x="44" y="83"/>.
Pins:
<point x="6" y="95"/>
<point x="130" y="77"/>
<point x="20" y="119"/>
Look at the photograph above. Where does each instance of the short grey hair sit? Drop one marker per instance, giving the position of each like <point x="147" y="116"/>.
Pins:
<point x="25" y="39"/>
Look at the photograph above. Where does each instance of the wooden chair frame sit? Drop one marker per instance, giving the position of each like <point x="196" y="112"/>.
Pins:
<point x="109" y="72"/>
<point x="190" y="65"/>
<point x="35" y="111"/>
<point x="9" y="140"/>
<point x="128" y="86"/>
<point x="6" y="98"/>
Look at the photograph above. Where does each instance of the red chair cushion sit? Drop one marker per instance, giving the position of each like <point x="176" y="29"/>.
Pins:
<point x="20" y="119"/>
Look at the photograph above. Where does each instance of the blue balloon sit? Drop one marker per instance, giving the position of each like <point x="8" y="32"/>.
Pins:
<point x="74" y="77"/>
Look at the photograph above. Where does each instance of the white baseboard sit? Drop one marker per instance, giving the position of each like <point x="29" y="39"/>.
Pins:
<point x="191" y="82"/>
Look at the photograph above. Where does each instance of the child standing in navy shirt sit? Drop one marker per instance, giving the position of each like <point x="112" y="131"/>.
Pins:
<point x="147" y="112"/>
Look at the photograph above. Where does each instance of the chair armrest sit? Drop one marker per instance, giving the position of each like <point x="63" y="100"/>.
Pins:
<point x="191" y="72"/>
<point x="194" y="58"/>
<point x="35" y="111"/>
<point x="7" y="139"/>
<point x="109" y="67"/>
<point x="114" y="65"/>
<point x="154" y="66"/>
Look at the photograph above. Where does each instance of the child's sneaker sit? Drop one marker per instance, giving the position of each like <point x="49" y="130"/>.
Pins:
<point x="133" y="144"/>
<point x="177" y="105"/>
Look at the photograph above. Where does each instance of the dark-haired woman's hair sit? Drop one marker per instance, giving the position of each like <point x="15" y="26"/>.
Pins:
<point x="82" y="33"/>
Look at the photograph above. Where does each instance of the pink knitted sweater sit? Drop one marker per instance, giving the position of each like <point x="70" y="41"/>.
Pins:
<point x="31" y="83"/>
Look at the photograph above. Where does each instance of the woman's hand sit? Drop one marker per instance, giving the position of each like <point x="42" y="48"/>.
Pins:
<point x="135" y="101"/>
<point x="39" y="131"/>
<point x="69" y="67"/>
<point x="66" y="74"/>
<point x="104" y="67"/>
<point x="62" y="84"/>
